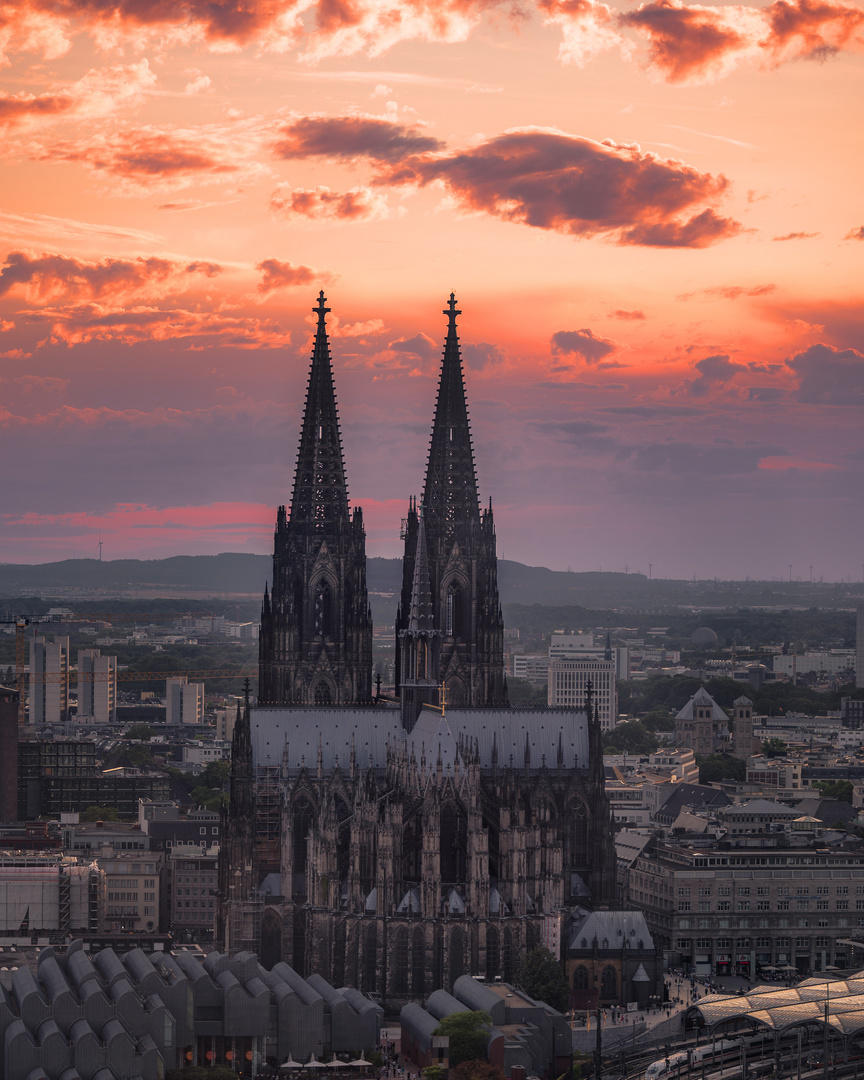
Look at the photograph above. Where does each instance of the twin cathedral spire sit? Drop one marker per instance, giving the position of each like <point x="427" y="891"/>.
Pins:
<point x="316" y="628"/>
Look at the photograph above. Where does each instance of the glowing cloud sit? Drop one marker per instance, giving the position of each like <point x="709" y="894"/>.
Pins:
<point x="552" y="180"/>
<point x="322" y="204"/>
<point x="51" y="278"/>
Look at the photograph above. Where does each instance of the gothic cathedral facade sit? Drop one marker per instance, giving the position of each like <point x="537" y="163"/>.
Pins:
<point x="394" y="845"/>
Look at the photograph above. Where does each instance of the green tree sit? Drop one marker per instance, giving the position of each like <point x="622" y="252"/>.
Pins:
<point x="714" y="767"/>
<point x="836" y="789"/>
<point x="632" y="737"/>
<point x="468" y="1035"/>
<point x="659" y="720"/>
<point x="99" y="813"/>
<point x="216" y="774"/>
<point x="140" y="732"/>
<point x="434" y="1072"/>
<point x="774" y="747"/>
<point x="541" y="977"/>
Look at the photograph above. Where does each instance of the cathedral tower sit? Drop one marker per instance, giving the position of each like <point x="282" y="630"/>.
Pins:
<point x="460" y="553"/>
<point x="316" y="628"/>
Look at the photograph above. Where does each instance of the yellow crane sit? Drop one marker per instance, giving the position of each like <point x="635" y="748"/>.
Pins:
<point x="22" y="653"/>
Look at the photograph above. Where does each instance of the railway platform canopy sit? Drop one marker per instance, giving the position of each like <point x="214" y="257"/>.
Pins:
<point x="837" y="1002"/>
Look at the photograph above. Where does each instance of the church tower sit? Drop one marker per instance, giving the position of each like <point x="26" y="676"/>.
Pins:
<point x="460" y="553"/>
<point x="237" y="871"/>
<point x="316" y="629"/>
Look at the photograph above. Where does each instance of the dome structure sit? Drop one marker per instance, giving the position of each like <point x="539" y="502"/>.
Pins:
<point x="703" y="638"/>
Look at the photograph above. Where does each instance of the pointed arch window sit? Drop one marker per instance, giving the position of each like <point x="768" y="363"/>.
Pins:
<point x="323" y="610"/>
<point x="453" y="614"/>
<point x="322" y="694"/>
<point x="609" y="983"/>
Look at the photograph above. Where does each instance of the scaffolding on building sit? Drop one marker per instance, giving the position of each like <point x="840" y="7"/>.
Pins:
<point x="268" y="797"/>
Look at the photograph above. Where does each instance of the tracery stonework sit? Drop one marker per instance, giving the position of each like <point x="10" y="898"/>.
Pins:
<point x="394" y="846"/>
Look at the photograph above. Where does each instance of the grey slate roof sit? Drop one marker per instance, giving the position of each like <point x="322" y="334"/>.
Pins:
<point x="760" y="806"/>
<point x="621" y="929"/>
<point x="302" y="729"/>
<point x="702" y="698"/>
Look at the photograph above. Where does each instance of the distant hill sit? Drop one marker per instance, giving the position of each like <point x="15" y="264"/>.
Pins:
<point x="235" y="574"/>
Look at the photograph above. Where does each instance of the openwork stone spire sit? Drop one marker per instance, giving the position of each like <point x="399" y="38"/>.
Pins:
<point x="450" y="495"/>
<point x="455" y="543"/>
<point x="315" y="646"/>
<point x="320" y="495"/>
<point x="421" y="618"/>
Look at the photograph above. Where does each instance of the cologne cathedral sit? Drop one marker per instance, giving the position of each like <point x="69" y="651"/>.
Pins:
<point x="396" y="844"/>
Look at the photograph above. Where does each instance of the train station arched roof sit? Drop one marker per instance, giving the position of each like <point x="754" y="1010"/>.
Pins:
<point x="779" y="1008"/>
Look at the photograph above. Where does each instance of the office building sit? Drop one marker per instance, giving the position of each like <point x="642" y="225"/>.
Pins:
<point x="184" y="701"/>
<point x="49" y="680"/>
<point x="97" y="687"/>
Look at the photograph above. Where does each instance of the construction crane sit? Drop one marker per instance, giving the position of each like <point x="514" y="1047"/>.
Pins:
<point x="142" y="676"/>
<point x="22" y="651"/>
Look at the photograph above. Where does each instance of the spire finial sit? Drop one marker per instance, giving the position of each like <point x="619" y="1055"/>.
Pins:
<point x="321" y="310"/>
<point x="452" y="313"/>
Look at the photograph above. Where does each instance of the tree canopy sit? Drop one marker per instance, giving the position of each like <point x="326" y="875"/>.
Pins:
<point x="541" y="977"/>
<point x="774" y="747"/>
<point x="468" y="1035"/>
<point x="836" y="789"/>
<point x="631" y="737"/>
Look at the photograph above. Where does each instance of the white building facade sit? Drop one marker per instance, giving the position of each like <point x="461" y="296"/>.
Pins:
<point x="49" y="680"/>
<point x="184" y="701"/>
<point x="97" y="686"/>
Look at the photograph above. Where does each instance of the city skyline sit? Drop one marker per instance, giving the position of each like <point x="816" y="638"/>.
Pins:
<point x="650" y="218"/>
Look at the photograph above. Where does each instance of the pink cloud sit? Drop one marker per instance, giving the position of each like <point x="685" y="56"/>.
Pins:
<point x="97" y="94"/>
<point x="50" y="278"/>
<point x="322" y="204"/>
<point x="145" y="159"/>
<point x="829" y="376"/>
<point x="691" y="43"/>
<point x="552" y="180"/>
<point x="349" y="137"/>
<point x="584" y="343"/>
<point x="220" y="329"/>
<point x="783" y="464"/>
<point x="285" y="275"/>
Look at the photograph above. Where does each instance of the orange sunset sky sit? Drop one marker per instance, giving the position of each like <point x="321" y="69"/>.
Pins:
<point x="651" y="216"/>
